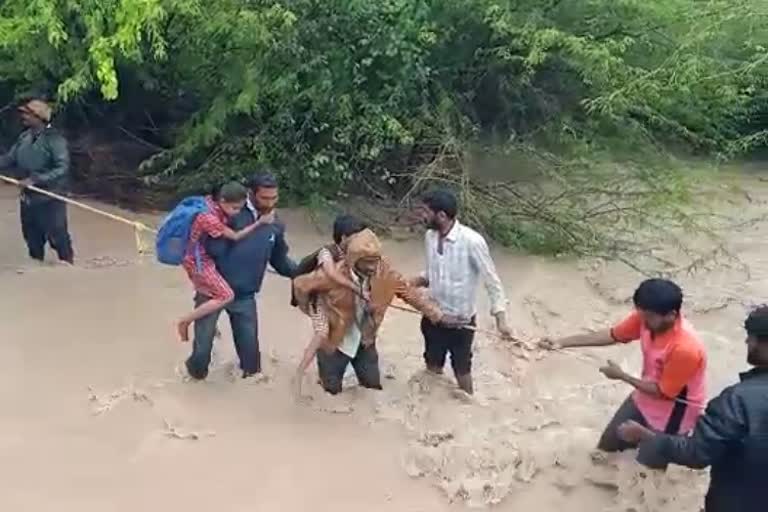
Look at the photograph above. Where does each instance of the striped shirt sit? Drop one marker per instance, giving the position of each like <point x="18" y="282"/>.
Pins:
<point x="454" y="275"/>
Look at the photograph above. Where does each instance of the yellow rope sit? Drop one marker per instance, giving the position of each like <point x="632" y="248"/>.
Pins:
<point x="141" y="249"/>
<point x="138" y="227"/>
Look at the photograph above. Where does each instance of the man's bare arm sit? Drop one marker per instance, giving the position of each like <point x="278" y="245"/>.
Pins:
<point x="419" y="281"/>
<point x="614" y="372"/>
<point x="592" y="339"/>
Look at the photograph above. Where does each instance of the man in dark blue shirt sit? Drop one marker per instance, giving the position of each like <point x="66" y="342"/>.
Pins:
<point x="243" y="265"/>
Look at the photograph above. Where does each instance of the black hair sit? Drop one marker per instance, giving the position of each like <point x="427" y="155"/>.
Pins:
<point x="262" y="180"/>
<point x="215" y="189"/>
<point x="442" y="200"/>
<point x="660" y="296"/>
<point x="232" y="192"/>
<point x="346" y="225"/>
<point x="756" y="323"/>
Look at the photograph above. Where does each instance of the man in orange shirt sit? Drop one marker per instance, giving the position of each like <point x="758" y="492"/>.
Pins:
<point x="670" y="394"/>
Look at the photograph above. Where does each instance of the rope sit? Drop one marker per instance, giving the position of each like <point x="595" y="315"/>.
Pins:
<point x="138" y="227"/>
<point x="573" y="355"/>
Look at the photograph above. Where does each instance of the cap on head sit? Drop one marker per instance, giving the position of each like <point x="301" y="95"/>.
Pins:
<point x="660" y="296"/>
<point x="38" y="108"/>
<point x="364" y="244"/>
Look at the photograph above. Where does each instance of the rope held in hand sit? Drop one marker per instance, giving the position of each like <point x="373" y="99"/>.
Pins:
<point x="138" y="227"/>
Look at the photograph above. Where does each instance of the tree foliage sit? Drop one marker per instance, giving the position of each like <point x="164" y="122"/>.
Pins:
<point x="333" y="92"/>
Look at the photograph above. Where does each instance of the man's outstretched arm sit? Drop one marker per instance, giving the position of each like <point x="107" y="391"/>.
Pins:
<point x="626" y="331"/>
<point x="417" y="298"/>
<point x="279" y="259"/>
<point x="721" y="426"/>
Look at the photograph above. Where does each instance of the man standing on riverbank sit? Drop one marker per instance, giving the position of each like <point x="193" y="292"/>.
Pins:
<point x="731" y="437"/>
<point x="670" y="394"/>
<point x="243" y="265"/>
<point x="40" y="158"/>
<point x="457" y="257"/>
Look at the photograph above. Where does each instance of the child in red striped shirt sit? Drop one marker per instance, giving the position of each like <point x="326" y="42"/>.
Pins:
<point x="201" y="269"/>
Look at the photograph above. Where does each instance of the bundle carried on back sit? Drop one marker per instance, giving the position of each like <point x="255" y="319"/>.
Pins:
<point x="174" y="233"/>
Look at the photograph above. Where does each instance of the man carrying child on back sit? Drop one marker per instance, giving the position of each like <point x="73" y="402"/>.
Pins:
<point x="325" y="259"/>
<point x="355" y="316"/>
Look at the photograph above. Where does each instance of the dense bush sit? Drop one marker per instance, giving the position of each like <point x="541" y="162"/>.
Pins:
<point x="331" y="92"/>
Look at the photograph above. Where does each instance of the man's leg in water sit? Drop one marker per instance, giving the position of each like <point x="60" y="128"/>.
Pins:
<point x="460" y="347"/>
<point x="57" y="231"/>
<point x="205" y="329"/>
<point x="366" y="365"/>
<point x="331" y="368"/>
<point x="242" y="318"/>
<point x="257" y="356"/>
<point x="435" y="348"/>
<point x="33" y="230"/>
<point x="610" y="440"/>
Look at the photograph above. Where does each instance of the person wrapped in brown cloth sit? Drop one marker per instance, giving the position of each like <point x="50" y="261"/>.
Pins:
<point x="354" y="321"/>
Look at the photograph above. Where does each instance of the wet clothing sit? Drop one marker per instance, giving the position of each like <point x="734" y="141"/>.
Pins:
<point x="242" y="265"/>
<point x="243" y="319"/>
<point x="732" y="438"/>
<point x="46" y="222"/>
<point x="200" y="267"/>
<point x="340" y="302"/>
<point x="42" y="157"/>
<point x="439" y="341"/>
<point x="676" y="361"/>
<point x="332" y="366"/>
<point x="454" y="273"/>
<point x="455" y="266"/>
<point x="610" y="440"/>
<point x="352" y="326"/>
<point x="326" y="255"/>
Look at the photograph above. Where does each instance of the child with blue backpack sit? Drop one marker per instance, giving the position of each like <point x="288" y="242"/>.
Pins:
<point x="185" y="229"/>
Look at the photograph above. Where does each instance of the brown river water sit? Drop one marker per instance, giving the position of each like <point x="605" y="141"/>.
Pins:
<point x="95" y="418"/>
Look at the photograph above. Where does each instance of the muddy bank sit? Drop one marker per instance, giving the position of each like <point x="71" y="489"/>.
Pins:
<point x="97" y="419"/>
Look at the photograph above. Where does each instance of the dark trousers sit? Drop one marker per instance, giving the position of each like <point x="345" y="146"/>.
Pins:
<point x="440" y="341"/>
<point x="331" y="367"/>
<point x="610" y="440"/>
<point x="46" y="221"/>
<point x="244" y="322"/>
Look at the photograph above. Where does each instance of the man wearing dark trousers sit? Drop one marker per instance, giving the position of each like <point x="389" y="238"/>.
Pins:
<point x="40" y="158"/>
<point x="457" y="259"/>
<point x="243" y="265"/>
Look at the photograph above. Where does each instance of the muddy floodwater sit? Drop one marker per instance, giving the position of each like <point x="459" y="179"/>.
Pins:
<point x="94" y="417"/>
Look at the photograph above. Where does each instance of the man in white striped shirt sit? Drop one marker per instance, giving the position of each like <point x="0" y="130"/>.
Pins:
<point x="457" y="258"/>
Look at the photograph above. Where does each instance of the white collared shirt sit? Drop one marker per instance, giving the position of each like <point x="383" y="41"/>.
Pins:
<point x="352" y="338"/>
<point x="454" y="275"/>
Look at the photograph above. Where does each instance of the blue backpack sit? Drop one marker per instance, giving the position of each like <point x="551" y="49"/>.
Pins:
<point x="173" y="236"/>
